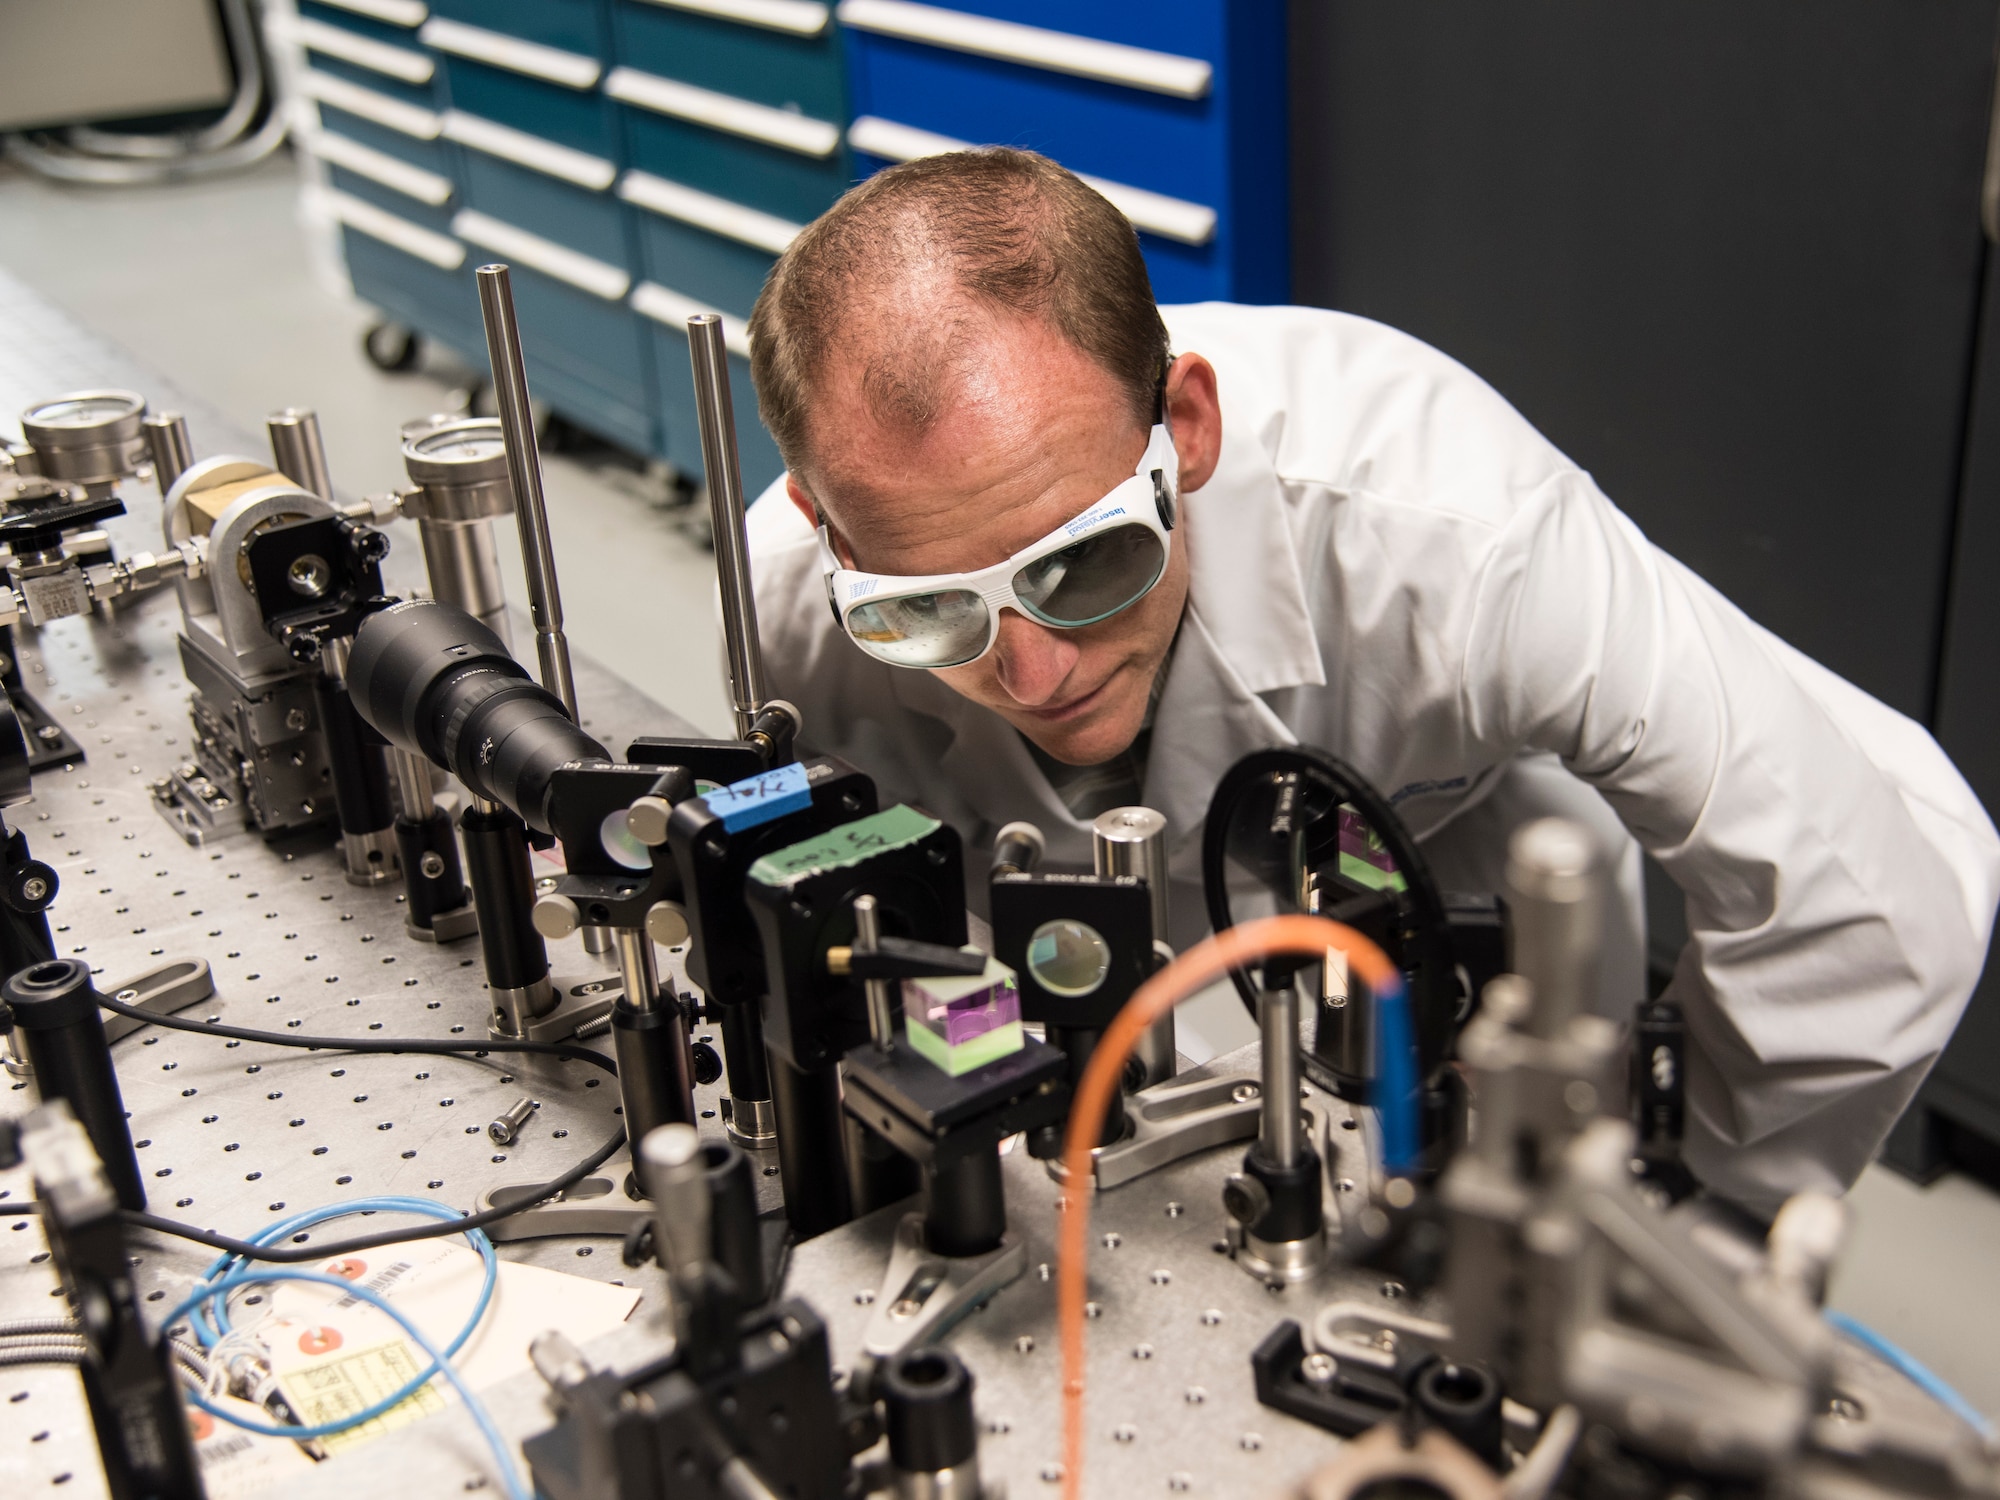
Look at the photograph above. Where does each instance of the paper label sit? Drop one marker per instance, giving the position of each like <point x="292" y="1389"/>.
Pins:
<point x="849" y="844"/>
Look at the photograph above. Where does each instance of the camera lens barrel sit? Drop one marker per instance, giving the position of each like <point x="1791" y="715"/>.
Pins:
<point x="430" y="678"/>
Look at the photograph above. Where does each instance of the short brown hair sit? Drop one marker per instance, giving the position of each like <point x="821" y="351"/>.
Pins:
<point x="1013" y="230"/>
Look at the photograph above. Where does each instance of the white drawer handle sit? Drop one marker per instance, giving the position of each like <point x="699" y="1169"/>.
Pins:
<point x="775" y="127"/>
<point x="1156" y="213"/>
<point x="1036" y="46"/>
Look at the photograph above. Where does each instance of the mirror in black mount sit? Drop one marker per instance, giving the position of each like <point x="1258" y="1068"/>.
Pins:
<point x="1298" y="830"/>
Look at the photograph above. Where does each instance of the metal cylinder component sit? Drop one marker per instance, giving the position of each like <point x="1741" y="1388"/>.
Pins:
<point x="965" y="1203"/>
<point x="415" y="791"/>
<point x="1133" y="841"/>
<point x="661" y="1088"/>
<point x="752" y="1120"/>
<point x="735" y="1240"/>
<point x="812" y="1161"/>
<point x="91" y="438"/>
<point x="599" y="940"/>
<point x="524" y="472"/>
<point x="507" y="1126"/>
<point x="61" y="1027"/>
<point x="459" y="467"/>
<point x="637" y="966"/>
<point x="654" y="1086"/>
<point x="361" y="795"/>
<point x="677" y="1180"/>
<point x="1018" y="849"/>
<point x="503" y="893"/>
<point x="716" y="413"/>
<point x="881" y="1015"/>
<point x="933" y="1438"/>
<point x="169" y="446"/>
<point x="1281" y="1131"/>
<point x="433" y="879"/>
<point x="298" y="451"/>
<point x="463" y="564"/>
<point x="1555" y="898"/>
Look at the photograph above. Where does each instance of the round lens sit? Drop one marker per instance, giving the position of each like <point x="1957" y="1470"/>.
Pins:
<point x="621" y="843"/>
<point x="1090" y="580"/>
<point x="1067" y="957"/>
<point x="922" y="630"/>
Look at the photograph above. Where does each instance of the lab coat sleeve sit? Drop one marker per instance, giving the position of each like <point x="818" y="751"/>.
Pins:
<point x="1840" y="876"/>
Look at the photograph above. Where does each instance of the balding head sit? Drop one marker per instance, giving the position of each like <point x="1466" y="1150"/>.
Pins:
<point x="893" y="290"/>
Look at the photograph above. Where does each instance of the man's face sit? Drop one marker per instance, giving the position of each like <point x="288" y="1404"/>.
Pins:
<point x="1032" y="433"/>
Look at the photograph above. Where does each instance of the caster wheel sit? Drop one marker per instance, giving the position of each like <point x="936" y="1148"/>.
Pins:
<point x="392" y="347"/>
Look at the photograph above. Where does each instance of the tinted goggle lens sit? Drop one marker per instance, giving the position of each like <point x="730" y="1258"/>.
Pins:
<point x="1093" y="579"/>
<point x="1079" y="585"/>
<point x="922" y="630"/>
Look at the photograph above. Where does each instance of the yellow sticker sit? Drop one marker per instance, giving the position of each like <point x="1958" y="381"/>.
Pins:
<point x="329" y="1390"/>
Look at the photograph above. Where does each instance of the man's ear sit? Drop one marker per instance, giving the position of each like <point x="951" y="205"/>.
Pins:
<point x="802" y="500"/>
<point x="1194" y="412"/>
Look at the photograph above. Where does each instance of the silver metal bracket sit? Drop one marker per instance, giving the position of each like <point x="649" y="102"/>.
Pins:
<point x="1175" y="1120"/>
<point x="579" y="1001"/>
<point x="924" y="1293"/>
<point x="596" y="1205"/>
<point x="163" y="989"/>
<point x="446" y="926"/>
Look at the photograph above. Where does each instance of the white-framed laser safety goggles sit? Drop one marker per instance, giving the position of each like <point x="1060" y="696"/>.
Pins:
<point x="1104" y="561"/>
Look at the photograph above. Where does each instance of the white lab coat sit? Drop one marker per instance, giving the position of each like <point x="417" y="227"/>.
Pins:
<point x="1392" y="564"/>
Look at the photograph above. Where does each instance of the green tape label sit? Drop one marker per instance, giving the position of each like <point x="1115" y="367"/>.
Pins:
<point x="849" y="844"/>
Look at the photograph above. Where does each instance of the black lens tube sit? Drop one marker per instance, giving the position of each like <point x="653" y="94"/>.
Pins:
<point x="653" y="1082"/>
<point x="496" y="864"/>
<point x="62" y="1030"/>
<point x="965" y="1205"/>
<point x="429" y="677"/>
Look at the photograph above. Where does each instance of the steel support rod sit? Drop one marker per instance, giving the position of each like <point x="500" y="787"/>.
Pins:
<point x="524" y="472"/>
<point x="1278" y="1027"/>
<point x="171" y="447"/>
<point x="299" y="451"/>
<point x="744" y="652"/>
<point x="881" y="1013"/>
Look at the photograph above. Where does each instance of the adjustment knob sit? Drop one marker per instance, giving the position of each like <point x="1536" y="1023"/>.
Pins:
<point x="556" y="916"/>
<point x="1245" y="1199"/>
<point x="707" y="1062"/>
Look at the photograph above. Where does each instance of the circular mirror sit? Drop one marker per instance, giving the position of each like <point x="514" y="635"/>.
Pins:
<point x="1298" y="831"/>
<point x="1068" y="957"/>
<point x="621" y="843"/>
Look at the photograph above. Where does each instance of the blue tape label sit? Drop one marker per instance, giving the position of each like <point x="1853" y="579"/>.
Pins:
<point x="759" y="799"/>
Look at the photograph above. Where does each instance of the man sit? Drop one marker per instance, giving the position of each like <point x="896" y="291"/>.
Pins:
<point x="1369" y="552"/>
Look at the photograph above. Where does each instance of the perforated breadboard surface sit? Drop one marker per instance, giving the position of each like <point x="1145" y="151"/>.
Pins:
<point x="233" y="1135"/>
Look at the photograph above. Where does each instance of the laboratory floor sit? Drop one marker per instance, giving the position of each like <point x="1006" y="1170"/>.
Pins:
<point x="224" y="286"/>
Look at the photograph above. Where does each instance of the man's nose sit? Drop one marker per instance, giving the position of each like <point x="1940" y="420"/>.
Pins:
<point x="1030" y="659"/>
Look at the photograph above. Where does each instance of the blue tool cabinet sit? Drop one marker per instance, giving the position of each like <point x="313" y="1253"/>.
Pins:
<point x="637" y="161"/>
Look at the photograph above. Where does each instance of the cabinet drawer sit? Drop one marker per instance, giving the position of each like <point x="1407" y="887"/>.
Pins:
<point x="566" y="25"/>
<point x="435" y="217"/>
<point x="784" y="69"/>
<point x="576" y="217"/>
<point x="579" y="119"/>
<point x="413" y="186"/>
<point x="765" y="177"/>
<point x="1059" y="34"/>
<point x="1147" y="140"/>
<point x="376" y="120"/>
<point x="414" y="292"/>
<point x="586" y="357"/>
<point x="721" y="272"/>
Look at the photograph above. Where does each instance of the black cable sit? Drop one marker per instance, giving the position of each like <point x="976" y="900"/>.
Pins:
<point x="357" y="1044"/>
<point x="443" y="1227"/>
<point x="295" y="1254"/>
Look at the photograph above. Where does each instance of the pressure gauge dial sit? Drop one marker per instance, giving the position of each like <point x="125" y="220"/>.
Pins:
<point x="461" y="469"/>
<point x="88" y="437"/>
